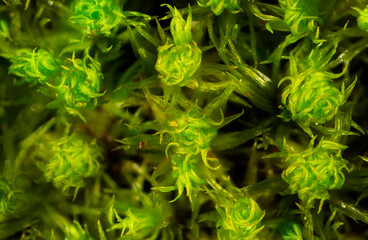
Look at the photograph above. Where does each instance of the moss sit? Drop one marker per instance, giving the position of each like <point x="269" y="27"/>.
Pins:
<point x="200" y="119"/>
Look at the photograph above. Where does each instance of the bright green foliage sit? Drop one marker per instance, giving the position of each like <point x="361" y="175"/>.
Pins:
<point x="239" y="220"/>
<point x="178" y="64"/>
<point x="190" y="137"/>
<point x="245" y="107"/>
<point x="186" y="174"/>
<point x="311" y="97"/>
<point x="179" y="28"/>
<point x="144" y="223"/>
<point x="96" y="16"/>
<point x="34" y="66"/>
<point x="362" y="20"/>
<point x="72" y="158"/>
<point x="79" y="84"/>
<point x="301" y="16"/>
<point x="316" y="170"/>
<point x="218" y="6"/>
<point x="191" y="133"/>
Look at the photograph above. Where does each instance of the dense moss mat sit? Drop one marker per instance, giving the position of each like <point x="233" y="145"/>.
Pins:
<point x="208" y="119"/>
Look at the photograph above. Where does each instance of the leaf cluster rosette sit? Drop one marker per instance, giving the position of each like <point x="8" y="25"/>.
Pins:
<point x="144" y="222"/>
<point x="239" y="220"/>
<point x="79" y="83"/>
<point x="191" y="132"/>
<point x="178" y="62"/>
<point x="34" y="65"/>
<point x="184" y="170"/>
<point x="301" y="16"/>
<point x="76" y="83"/>
<point x="315" y="171"/>
<point x="140" y="223"/>
<point x="96" y="16"/>
<point x="190" y="136"/>
<point x="72" y="158"/>
<point x="188" y="132"/>
<point x="311" y="97"/>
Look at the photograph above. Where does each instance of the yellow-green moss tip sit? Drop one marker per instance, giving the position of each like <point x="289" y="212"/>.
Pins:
<point x="72" y="159"/>
<point x="79" y="84"/>
<point x="96" y="16"/>
<point x="316" y="170"/>
<point x="239" y="220"/>
<point x="34" y="65"/>
<point x="178" y="64"/>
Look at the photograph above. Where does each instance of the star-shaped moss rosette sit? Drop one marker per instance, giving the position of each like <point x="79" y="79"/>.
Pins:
<point x="189" y="135"/>
<point x="311" y="98"/>
<point x="190" y="138"/>
<point x="143" y="219"/>
<point x="79" y="83"/>
<point x="178" y="62"/>
<point x="191" y="132"/>
<point x="314" y="171"/>
<point x="185" y="171"/>
<point x="96" y="16"/>
<point x="76" y="83"/>
<point x="237" y="216"/>
<point x="301" y="16"/>
<point x="186" y="175"/>
<point x="144" y="223"/>
<point x="72" y="158"/>
<point x="34" y="66"/>
<point x="239" y="220"/>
